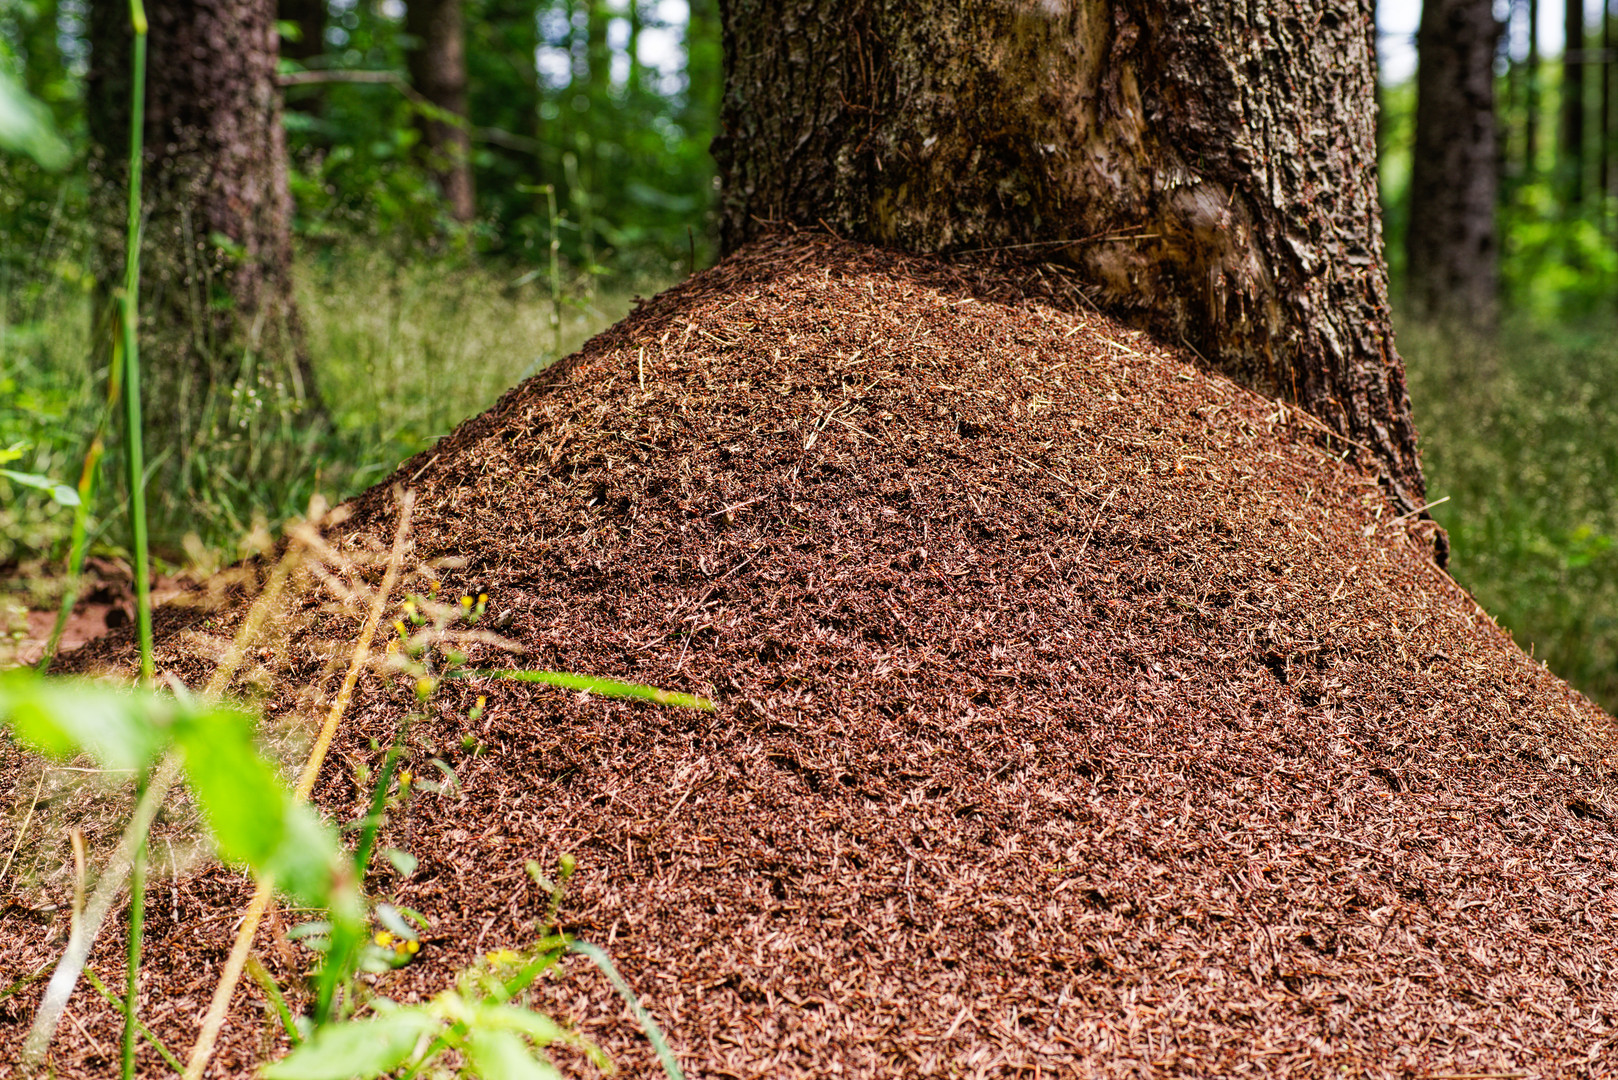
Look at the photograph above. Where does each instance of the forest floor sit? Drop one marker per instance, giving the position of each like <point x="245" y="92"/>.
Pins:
<point x="1079" y="713"/>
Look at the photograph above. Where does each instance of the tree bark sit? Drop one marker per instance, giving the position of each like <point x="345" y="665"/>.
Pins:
<point x="438" y="73"/>
<point x="1450" y="245"/>
<point x="1209" y="167"/>
<point x="216" y="274"/>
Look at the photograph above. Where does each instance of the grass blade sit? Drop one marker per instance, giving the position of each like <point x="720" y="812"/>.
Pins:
<point x="592" y="685"/>
<point x="654" y="1034"/>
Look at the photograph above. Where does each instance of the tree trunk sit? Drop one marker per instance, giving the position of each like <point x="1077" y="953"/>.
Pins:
<point x="1209" y="167"/>
<point x="216" y="280"/>
<point x="309" y="16"/>
<point x="1573" y="103"/>
<point x="1450" y="246"/>
<point x="1531" y="113"/>
<point x="438" y="72"/>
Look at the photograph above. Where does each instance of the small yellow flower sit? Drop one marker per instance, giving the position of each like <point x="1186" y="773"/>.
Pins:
<point x="500" y="956"/>
<point x="405" y="778"/>
<point x="412" y="947"/>
<point x="483" y="598"/>
<point x="466" y="602"/>
<point x="383" y="938"/>
<point x="433" y="588"/>
<point x="483" y="699"/>
<point x="424" y="688"/>
<point x="398" y="624"/>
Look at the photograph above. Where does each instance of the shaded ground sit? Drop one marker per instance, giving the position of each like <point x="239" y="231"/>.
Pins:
<point x="1078" y="714"/>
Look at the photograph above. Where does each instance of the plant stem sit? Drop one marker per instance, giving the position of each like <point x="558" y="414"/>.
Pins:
<point x="137" y="919"/>
<point x="77" y="548"/>
<point x="116" y="1002"/>
<point x="134" y="453"/>
<point x="556" y="273"/>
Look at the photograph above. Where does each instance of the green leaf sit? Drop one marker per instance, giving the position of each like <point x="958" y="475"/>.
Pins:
<point x="501" y="1055"/>
<point x="591" y="685"/>
<point x="389" y="917"/>
<point x="25" y="126"/>
<point x="402" y="861"/>
<point x="253" y="818"/>
<point x="542" y="1029"/>
<point x="358" y="1048"/>
<point x="63" y="494"/>
<point x="62" y="718"/>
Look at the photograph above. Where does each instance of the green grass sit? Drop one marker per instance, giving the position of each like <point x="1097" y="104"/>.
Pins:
<point x="1519" y="434"/>
<point x="403" y="353"/>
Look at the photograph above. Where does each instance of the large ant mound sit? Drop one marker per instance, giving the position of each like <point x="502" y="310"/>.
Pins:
<point x="1078" y="713"/>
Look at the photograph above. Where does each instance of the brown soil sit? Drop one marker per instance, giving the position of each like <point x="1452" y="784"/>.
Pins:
<point x="1079" y="714"/>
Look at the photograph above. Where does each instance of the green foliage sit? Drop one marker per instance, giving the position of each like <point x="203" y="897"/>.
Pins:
<point x="1518" y="433"/>
<point x="251" y="816"/>
<point x="589" y="685"/>
<point x="26" y="126"/>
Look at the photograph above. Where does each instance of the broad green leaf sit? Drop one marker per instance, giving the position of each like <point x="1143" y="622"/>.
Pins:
<point x="63" y="494"/>
<point x="542" y="1029"/>
<point x="591" y="685"/>
<point x="253" y="818"/>
<point x="358" y="1048"/>
<point x="389" y="917"/>
<point x="501" y="1055"/>
<point x="61" y="718"/>
<point x="25" y="126"/>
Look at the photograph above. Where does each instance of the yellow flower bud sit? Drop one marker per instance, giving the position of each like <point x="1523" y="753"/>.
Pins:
<point x="383" y="938"/>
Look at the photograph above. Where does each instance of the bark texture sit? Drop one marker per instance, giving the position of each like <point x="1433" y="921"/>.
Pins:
<point x="438" y="72"/>
<point x="1451" y="246"/>
<point x="1209" y="167"/>
<point x="216" y="280"/>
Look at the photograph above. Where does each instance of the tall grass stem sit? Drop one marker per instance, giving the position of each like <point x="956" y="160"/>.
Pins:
<point x="133" y="450"/>
<point x="137" y="920"/>
<point x="135" y="457"/>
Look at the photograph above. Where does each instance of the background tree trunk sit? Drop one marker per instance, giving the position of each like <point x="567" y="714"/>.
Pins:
<point x="1573" y="103"/>
<point x="1531" y="109"/>
<point x="309" y="16"/>
<point x="1450" y="246"/>
<point x="1209" y="167"/>
<point x="438" y="72"/>
<point x="216" y="281"/>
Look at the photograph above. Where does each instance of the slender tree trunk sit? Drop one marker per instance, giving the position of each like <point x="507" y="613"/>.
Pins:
<point x="634" y="50"/>
<point x="1573" y="103"/>
<point x="438" y="73"/>
<point x="1531" y="110"/>
<point x="1209" y="167"/>
<point x="1605" y="186"/>
<point x="1450" y="245"/>
<point x="309" y="16"/>
<point x="216" y="281"/>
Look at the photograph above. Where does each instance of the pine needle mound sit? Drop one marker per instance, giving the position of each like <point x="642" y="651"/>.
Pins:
<point x="1079" y="713"/>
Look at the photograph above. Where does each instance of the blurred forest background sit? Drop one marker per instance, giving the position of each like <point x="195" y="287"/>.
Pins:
<point x="478" y="185"/>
